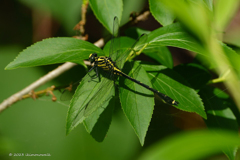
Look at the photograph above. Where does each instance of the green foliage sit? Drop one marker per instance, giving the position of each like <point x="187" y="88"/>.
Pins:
<point x="90" y="97"/>
<point x="106" y="10"/>
<point x="192" y="145"/>
<point x="223" y="13"/>
<point x="160" y="12"/>
<point x="134" y="99"/>
<point x="94" y="100"/>
<point x="218" y="108"/>
<point x="161" y="54"/>
<point x="170" y="83"/>
<point x="54" y="50"/>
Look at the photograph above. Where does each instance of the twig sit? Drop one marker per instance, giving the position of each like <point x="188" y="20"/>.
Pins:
<point x="142" y="17"/>
<point x="51" y="75"/>
<point x="134" y="20"/>
<point x="81" y="24"/>
<point x="220" y="79"/>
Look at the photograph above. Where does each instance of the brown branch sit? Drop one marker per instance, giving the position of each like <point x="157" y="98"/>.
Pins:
<point x="51" y="75"/>
<point x="140" y="17"/>
<point x="81" y="24"/>
<point x="135" y="19"/>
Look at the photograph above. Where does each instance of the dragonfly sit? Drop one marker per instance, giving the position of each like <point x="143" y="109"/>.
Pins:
<point x="105" y="68"/>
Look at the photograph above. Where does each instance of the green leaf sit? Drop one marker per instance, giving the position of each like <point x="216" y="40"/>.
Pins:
<point x="131" y="7"/>
<point x="192" y="145"/>
<point x="194" y="15"/>
<point x="135" y="32"/>
<point x="123" y="42"/>
<point x="161" y="54"/>
<point x="54" y="50"/>
<point x="218" y="108"/>
<point x="106" y="10"/>
<point x="209" y="4"/>
<point x="66" y="12"/>
<point x="137" y="102"/>
<point x="224" y="11"/>
<point x="162" y="14"/>
<point x="196" y="75"/>
<point x="173" y="85"/>
<point x="233" y="57"/>
<point x="98" y="123"/>
<point x="89" y="96"/>
<point x="174" y="35"/>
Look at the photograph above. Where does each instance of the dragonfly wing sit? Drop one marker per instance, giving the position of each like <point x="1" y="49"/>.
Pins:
<point x="137" y="46"/>
<point x="140" y="42"/>
<point x="115" y="42"/>
<point x="105" y="93"/>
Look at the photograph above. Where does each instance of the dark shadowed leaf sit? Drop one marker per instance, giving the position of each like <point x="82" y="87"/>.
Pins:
<point x="218" y="107"/>
<point x="98" y="123"/>
<point x="196" y="75"/>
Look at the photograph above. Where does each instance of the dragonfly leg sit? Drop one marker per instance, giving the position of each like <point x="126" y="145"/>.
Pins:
<point x="96" y="70"/>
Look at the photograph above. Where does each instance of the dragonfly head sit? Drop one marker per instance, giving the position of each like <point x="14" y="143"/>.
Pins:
<point x="92" y="57"/>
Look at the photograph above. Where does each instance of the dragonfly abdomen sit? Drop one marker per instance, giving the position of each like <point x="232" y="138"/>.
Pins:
<point x="161" y="95"/>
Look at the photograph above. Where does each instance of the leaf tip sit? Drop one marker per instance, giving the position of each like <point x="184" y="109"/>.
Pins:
<point x="68" y="130"/>
<point x="9" y="67"/>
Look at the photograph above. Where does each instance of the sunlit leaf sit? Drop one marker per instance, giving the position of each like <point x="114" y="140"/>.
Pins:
<point x="54" y="50"/>
<point x="106" y="10"/>
<point x="160" y="12"/>
<point x="161" y="54"/>
<point x="174" y="35"/>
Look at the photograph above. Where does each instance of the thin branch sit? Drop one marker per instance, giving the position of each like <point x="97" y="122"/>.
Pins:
<point x="142" y="17"/>
<point x="51" y="75"/>
<point x="81" y="24"/>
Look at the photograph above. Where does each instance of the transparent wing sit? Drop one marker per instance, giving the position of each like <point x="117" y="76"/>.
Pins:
<point x="138" y="46"/>
<point x="104" y="94"/>
<point x="140" y="42"/>
<point x="115" y="42"/>
<point x="89" y="96"/>
<point x="132" y="73"/>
